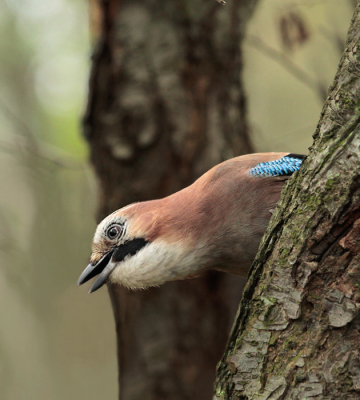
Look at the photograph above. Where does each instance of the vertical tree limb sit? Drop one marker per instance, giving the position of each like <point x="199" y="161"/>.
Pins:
<point x="297" y="334"/>
<point x="166" y="103"/>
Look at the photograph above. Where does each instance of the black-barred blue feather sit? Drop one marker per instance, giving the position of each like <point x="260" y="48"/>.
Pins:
<point x="284" y="166"/>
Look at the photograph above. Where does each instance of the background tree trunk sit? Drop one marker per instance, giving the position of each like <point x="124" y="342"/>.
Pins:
<point x="297" y="334"/>
<point x="167" y="103"/>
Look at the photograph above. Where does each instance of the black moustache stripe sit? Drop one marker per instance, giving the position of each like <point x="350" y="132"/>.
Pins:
<point x="129" y="248"/>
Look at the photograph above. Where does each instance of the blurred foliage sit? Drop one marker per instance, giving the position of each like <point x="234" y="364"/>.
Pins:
<point x="55" y="341"/>
<point x="47" y="208"/>
<point x="288" y="71"/>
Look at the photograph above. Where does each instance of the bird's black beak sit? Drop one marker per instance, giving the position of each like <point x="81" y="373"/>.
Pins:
<point x="109" y="261"/>
<point x="102" y="267"/>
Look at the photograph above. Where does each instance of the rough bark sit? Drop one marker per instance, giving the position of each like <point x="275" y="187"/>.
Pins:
<point x="166" y="103"/>
<point x="297" y="333"/>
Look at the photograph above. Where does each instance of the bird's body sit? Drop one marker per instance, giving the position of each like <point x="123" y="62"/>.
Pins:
<point x="215" y="223"/>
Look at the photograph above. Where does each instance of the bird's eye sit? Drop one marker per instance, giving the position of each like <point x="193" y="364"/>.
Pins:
<point x="113" y="232"/>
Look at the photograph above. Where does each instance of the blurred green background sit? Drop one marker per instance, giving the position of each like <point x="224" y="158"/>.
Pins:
<point x="56" y="342"/>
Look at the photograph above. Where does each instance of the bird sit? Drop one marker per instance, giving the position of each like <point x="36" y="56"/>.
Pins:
<point x="215" y="223"/>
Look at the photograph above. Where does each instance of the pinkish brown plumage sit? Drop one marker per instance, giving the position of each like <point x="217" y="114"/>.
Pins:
<point x="215" y="223"/>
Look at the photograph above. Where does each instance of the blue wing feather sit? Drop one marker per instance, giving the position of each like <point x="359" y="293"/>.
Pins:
<point x="284" y="166"/>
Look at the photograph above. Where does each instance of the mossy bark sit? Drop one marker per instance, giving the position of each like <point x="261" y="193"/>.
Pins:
<point x="297" y="333"/>
<point x="167" y="103"/>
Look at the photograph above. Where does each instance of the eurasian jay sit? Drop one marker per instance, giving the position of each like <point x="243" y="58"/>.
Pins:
<point x="215" y="223"/>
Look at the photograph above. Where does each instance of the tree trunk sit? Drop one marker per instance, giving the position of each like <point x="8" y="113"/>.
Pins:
<point x="167" y="103"/>
<point x="297" y="334"/>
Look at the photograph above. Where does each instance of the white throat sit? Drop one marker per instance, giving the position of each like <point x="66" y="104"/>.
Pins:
<point x="154" y="264"/>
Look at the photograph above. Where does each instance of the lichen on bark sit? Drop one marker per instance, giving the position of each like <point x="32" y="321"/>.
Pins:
<point x="297" y="332"/>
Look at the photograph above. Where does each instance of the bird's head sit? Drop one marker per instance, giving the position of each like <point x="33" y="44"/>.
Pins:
<point x="137" y="246"/>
